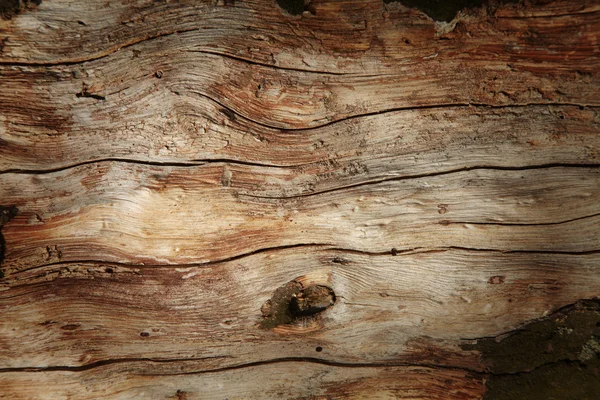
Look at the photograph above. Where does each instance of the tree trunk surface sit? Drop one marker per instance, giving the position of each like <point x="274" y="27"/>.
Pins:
<point x="219" y="199"/>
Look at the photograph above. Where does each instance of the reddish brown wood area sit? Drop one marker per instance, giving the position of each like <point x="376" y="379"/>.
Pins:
<point x="219" y="199"/>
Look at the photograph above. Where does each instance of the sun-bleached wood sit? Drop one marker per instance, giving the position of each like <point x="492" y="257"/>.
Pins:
<point x="397" y="143"/>
<point x="289" y="380"/>
<point x="168" y="215"/>
<point x="174" y="163"/>
<point x="414" y="308"/>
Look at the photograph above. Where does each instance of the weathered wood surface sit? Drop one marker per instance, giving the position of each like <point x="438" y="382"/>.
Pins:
<point x="131" y="213"/>
<point x="288" y="380"/>
<point x="174" y="163"/>
<point x="399" y="308"/>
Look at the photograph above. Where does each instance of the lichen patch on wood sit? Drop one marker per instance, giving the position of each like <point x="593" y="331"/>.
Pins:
<point x="557" y="357"/>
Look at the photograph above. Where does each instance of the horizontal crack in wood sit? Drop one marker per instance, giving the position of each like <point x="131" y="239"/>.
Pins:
<point x="184" y="164"/>
<point x="566" y="221"/>
<point x="323" y="248"/>
<point x="145" y="265"/>
<point x="427" y="175"/>
<point x="103" y="363"/>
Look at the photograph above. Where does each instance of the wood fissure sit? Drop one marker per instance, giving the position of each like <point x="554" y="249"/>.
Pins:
<point x="436" y="174"/>
<point x="311" y="360"/>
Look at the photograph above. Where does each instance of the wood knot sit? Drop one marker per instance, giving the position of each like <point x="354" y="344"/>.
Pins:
<point x="312" y="300"/>
<point x="292" y="302"/>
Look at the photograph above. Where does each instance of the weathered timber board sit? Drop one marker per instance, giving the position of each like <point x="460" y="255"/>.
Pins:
<point x="406" y="308"/>
<point x="288" y="380"/>
<point x="169" y="215"/>
<point x="167" y="166"/>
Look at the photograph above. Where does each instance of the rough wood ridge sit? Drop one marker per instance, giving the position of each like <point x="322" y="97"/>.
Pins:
<point x="210" y="199"/>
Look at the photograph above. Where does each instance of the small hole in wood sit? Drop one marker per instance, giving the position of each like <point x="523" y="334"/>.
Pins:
<point x="70" y="327"/>
<point x="144" y="334"/>
<point x="319" y="349"/>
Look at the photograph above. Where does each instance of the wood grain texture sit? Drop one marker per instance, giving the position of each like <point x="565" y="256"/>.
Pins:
<point x="290" y="380"/>
<point x="395" y="143"/>
<point x="174" y="163"/>
<point x="168" y="215"/>
<point x="409" y="308"/>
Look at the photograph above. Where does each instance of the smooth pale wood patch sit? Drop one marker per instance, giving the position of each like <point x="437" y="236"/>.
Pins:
<point x="167" y="215"/>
